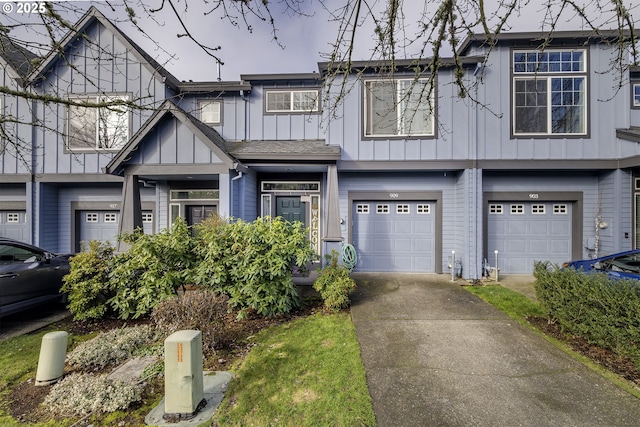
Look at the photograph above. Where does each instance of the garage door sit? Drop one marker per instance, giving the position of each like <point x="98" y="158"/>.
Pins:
<point x="523" y="233"/>
<point x="13" y="225"/>
<point x="394" y="236"/>
<point x="103" y="225"/>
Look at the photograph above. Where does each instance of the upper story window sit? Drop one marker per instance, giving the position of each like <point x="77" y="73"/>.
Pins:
<point x="635" y="95"/>
<point x="210" y="111"/>
<point x="402" y="107"/>
<point x="549" y="92"/>
<point x="105" y="128"/>
<point x="292" y="101"/>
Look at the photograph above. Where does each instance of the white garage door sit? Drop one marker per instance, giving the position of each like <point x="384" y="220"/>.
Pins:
<point x="523" y="233"/>
<point x="394" y="236"/>
<point x="13" y="225"/>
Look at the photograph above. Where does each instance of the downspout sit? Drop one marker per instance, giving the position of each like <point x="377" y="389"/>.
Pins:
<point x="477" y="73"/>
<point x="246" y="115"/>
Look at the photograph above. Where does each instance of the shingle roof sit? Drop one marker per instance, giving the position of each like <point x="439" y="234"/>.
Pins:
<point x="298" y="150"/>
<point x="16" y="56"/>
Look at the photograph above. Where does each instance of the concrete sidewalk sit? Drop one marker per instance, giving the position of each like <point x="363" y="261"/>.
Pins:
<point x="436" y="355"/>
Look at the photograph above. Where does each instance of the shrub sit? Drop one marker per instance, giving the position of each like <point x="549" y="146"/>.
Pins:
<point x="334" y="283"/>
<point x="596" y="307"/>
<point x="83" y="394"/>
<point x="200" y="309"/>
<point x="110" y="348"/>
<point x="87" y="283"/>
<point x="253" y="263"/>
<point x="153" y="269"/>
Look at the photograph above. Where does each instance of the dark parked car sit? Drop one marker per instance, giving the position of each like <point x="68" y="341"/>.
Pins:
<point x="623" y="265"/>
<point x="29" y="276"/>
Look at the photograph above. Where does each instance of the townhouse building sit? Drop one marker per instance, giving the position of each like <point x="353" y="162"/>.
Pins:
<point x="540" y="162"/>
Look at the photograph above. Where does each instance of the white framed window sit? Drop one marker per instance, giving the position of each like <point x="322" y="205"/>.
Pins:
<point x="550" y="92"/>
<point x="210" y="111"/>
<point x="402" y="107"/>
<point x="403" y="209"/>
<point x="635" y="95"/>
<point x="13" y="217"/>
<point x="517" y="209"/>
<point x="91" y="217"/>
<point x="292" y="101"/>
<point x="91" y="128"/>
<point x="496" y="209"/>
<point x="538" y="209"/>
<point x="266" y="205"/>
<point x="362" y="208"/>
<point x="147" y="217"/>
<point x="110" y="217"/>
<point x="560" y="209"/>
<point x="382" y="208"/>
<point x="423" y="209"/>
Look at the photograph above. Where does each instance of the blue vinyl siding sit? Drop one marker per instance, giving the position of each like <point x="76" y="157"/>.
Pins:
<point x="245" y="197"/>
<point x="48" y="217"/>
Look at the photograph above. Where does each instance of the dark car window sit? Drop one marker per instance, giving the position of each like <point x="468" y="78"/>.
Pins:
<point x="10" y="254"/>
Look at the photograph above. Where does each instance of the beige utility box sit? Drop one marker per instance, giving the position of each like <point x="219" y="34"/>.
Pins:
<point x="53" y="352"/>
<point x="183" y="383"/>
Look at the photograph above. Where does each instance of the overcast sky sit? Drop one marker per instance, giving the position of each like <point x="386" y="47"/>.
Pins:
<point x="305" y="38"/>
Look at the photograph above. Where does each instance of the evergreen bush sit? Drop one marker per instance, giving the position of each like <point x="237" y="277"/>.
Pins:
<point x="596" y="307"/>
<point x="87" y="283"/>
<point x="252" y="263"/>
<point x="152" y="270"/>
<point x="334" y="283"/>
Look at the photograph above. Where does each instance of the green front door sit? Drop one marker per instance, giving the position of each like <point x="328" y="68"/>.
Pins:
<point x="291" y="208"/>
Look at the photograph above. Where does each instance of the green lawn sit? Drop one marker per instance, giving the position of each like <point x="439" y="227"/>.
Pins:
<point x="304" y="373"/>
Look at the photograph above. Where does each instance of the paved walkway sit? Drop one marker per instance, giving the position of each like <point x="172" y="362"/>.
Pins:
<point x="436" y="355"/>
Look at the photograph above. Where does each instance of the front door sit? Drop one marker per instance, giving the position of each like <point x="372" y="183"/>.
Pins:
<point x="198" y="213"/>
<point x="291" y="208"/>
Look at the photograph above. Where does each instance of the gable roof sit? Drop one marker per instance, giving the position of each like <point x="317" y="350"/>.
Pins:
<point x="92" y="16"/>
<point x="19" y="60"/>
<point x="209" y="136"/>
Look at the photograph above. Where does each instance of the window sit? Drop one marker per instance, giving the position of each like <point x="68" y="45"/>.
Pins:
<point x="538" y="209"/>
<point x="517" y="209"/>
<point x="423" y="209"/>
<point x="293" y="101"/>
<point x="110" y="217"/>
<point x="362" y="208"/>
<point x="495" y="209"/>
<point x="636" y="95"/>
<point x="560" y="209"/>
<point x="210" y="112"/>
<point x="382" y="209"/>
<point x="91" y="217"/>
<point x="398" y="108"/>
<point x="147" y="217"/>
<point x="549" y="92"/>
<point x="97" y="128"/>
<point x="402" y="209"/>
<point x="13" y="217"/>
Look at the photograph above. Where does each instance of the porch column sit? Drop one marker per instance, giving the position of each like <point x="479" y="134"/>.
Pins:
<point x="333" y="233"/>
<point x="224" y="202"/>
<point x="131" y="209"/>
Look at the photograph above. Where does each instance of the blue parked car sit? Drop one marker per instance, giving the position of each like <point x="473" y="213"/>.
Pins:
<point x="623" y="265"/>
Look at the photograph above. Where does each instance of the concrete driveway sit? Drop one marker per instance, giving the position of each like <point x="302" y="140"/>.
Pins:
<point x="436" y="355"/>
